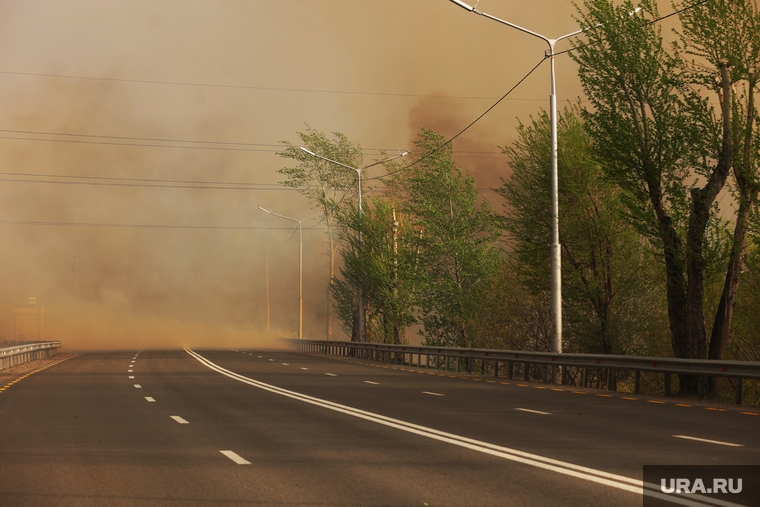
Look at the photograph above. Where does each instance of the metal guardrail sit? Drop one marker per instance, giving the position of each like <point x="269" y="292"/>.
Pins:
<point x="547" y="361"/>
<point x="17" y="354"/>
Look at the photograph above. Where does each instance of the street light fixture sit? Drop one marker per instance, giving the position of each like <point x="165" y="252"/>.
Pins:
<point x="300" y="265"/>
<point x="359" y="178"/>
<point x="556" y="267"/>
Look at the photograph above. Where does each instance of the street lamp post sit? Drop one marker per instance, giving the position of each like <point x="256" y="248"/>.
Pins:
<point x="359" y="178"/>
<point x="556" y="267"/>
<point x="266" y="272"/>
<point x="300" y="267"/>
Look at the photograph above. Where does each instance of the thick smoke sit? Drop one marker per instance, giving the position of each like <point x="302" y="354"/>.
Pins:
<point x="274" y="67"/>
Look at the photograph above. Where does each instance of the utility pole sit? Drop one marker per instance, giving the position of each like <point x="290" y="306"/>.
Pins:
<point x="76" y="286"/>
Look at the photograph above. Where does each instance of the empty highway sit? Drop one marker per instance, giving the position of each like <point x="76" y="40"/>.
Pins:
<point x="247" y="427"/>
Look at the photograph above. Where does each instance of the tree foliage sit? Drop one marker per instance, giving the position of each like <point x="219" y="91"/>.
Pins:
<point x="663" y="142"/>
<point x="383" y="262"/>
<point x="329" y="187"/>
<point x="457" y="242"/>
<point x="610" y="300"/>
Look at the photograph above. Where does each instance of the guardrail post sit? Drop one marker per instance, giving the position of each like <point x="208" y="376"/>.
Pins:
<point x="526" y="372"/>
<point x="701" y="387"/>
<point x="544" y="373"/>
<point x="510" y="369"/>
<point x="738" y="393"/>
<point x="637" y="383"/>
<point x="496" y="368"/>
<point x="610" y="379"/>
<point x="584" y="377"/>
<point x="667" y="384"/>
<point x="469" y="365"/>
<point x="564" y="375"/>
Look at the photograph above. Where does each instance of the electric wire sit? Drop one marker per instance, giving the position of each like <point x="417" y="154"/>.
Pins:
<point x="200" y="182"/>
<point x="150" y="142"/>
<point x="151" y="226"/>
<point x="147" y="185"/>
<point x="650" y="22"/>
<point x="263" y="88"/>
<point x="450" y="140"/>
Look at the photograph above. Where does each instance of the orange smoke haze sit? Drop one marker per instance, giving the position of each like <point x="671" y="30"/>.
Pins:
<point x="165" y="73"/>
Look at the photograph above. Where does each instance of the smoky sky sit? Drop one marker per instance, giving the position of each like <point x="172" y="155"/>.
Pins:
<point x="248" y="71"/>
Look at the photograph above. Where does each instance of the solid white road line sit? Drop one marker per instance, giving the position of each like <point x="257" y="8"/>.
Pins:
<point x="331" y="374"/>
<point x="718" y="442"/>
<point x="433" y="394"/>
<point x="236" y="458"/>
<point x="620" y="482"/>
<point x="138" y="386"/>
<point x="149" y="399"/>
<point x="373" y="383"/>
<point x="179" y="419"/>
<point x="533" y="411"/>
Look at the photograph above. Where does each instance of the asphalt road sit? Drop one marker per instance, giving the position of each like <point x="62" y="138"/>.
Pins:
<point x="225" y="427"/>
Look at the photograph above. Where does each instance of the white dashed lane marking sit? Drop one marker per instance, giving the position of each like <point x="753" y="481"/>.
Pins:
<point x="179" y="419"/>
<point x="304" y="368"/>
<point x="373" y="383"/>
<point x="138" y="386"/>
<point x="433" y="394"/>
<point x="271" y="359"/>
<point x="331" y="374"/>
<point x="707" y="441"/>
<point x="236" y="458"/>
<point x="149" y="399"/>
<point x="533" y="411"/>
<point x="131" y="377"/>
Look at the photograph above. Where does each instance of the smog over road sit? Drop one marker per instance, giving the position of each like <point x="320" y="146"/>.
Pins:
<point x="175" y="175"/>
<point x="120" y="116"/>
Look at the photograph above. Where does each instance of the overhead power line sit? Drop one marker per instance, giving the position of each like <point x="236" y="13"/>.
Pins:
<point x="650" y="22"/>
<point x="150" y="226"/>
<point x="145" y="185"/>
<point x="261" y="88"/>
<point x="473" y="122"/>
<point x="112" y="178"/>
<point x="152" y="142"/>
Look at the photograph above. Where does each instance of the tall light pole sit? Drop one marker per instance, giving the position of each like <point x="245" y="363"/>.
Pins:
<point x="359" y="178"/>
<point x="300" y="267"/>
<point x="556" y="267"/>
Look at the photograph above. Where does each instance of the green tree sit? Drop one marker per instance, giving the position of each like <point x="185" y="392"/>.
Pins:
<point x="383" y="263"/>
<point x="457" y="240"/>
<point x="610" y="302"/>
<point x="327" y="186"/>
<point x="659" y="139"/>
<point x="720" y="47"/>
